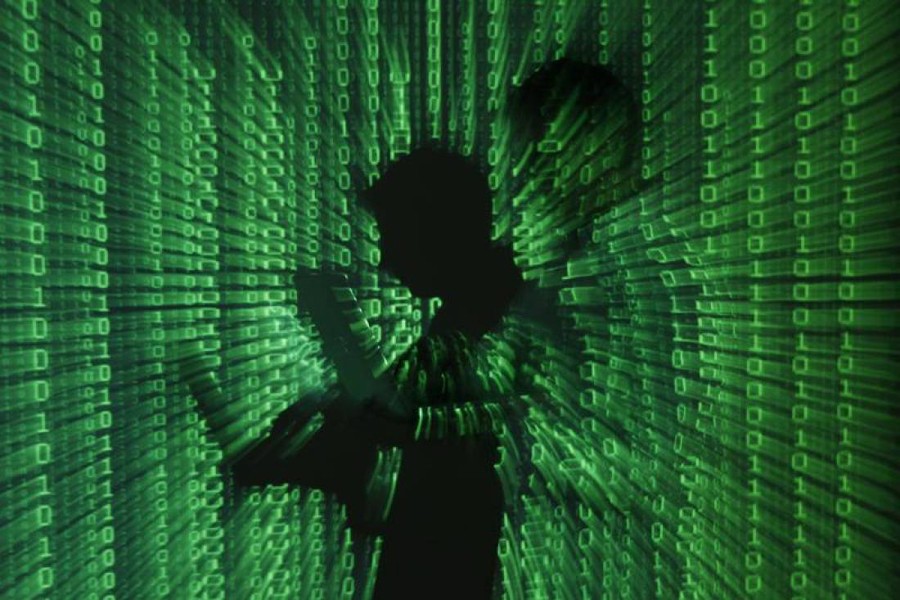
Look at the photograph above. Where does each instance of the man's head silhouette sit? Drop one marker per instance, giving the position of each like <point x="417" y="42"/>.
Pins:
<point x="434" y="215"/>
<point x="433" y="210"/>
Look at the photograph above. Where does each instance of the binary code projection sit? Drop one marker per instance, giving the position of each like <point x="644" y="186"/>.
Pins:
<point x="711" y="361"/>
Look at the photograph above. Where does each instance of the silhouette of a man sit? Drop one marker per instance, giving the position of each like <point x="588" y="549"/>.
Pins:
<point x="441" y="533"/>
<point x="434" y="216"/>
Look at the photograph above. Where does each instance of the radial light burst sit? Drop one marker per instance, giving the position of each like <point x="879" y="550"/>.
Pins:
<point x="714" y="374"/>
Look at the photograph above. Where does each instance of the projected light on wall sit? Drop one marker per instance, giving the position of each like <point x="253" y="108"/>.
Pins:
<point x="716" y="233"/>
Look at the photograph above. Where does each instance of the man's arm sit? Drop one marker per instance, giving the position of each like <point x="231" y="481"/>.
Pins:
<point x="458" y="420"/>
<point x="442" y="391"/>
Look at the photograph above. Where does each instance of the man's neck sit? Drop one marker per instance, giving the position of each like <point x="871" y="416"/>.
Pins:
<point x="479" y="306"/>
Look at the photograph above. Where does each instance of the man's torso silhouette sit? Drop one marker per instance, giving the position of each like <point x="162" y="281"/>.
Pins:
<point x="434" y="215"/>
